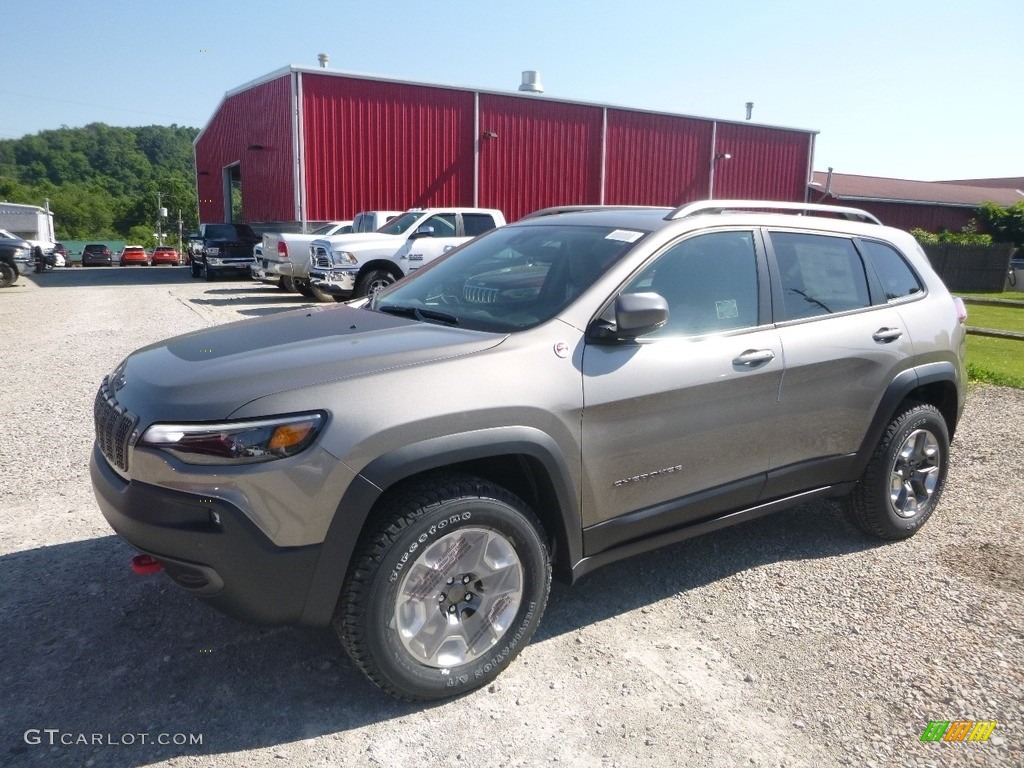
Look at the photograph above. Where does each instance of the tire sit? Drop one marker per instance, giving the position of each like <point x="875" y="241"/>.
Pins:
<point x="485" y="612"/>
<point x="303" y="287"/>
<point x="321" y="295"/>
<point x="211" y="275"/>
<point x="281" y="285"/>
<point x="904" y="479"/>
<point x="288" y="284"/>
<point x="373" y="281"/>
<point x="8" y="275"/>
<point x="196" y="270"/>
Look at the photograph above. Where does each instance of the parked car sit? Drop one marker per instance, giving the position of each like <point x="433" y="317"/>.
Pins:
<point x="15" y="259"/>
<point x="134" y="254"/>
<point x="60" y="256"/>
<point x="613" y="381"/>
<point x="222" y="249"/>
<point x="165" y="254"/>
<point x="96" y="255"/>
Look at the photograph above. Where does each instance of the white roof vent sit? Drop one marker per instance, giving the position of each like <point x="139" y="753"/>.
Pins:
<point x="531" y="82"/>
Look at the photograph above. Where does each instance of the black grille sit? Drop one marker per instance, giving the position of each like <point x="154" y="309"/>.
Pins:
<point x="114" y="427"/>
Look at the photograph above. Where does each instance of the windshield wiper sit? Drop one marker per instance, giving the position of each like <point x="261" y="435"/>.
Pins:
<point x="423" y="315"/>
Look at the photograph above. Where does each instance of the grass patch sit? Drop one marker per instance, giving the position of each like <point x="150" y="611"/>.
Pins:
<point x="997" y="318"/>
<point x="995" y="361"/>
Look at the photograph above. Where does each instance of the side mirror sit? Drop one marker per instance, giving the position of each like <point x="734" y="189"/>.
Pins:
<point x="423" y="231"/>
<point x="636" y="314"/>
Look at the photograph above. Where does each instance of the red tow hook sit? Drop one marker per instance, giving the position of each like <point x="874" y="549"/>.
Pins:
<point x="144" y="564"/>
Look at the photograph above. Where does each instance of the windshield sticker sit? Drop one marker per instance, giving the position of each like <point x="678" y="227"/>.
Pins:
<point x="625" y="235"/>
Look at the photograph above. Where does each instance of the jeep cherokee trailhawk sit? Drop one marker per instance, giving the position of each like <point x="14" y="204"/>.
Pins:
<point x="577" y="387"/>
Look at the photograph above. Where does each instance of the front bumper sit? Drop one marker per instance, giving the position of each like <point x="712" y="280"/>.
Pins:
<point x="270" y="271"/>
<point x="208" y="546"/>
<point x="338" y="282"/>
<point x="25" y="265"/>
<point x="224" y="265"/>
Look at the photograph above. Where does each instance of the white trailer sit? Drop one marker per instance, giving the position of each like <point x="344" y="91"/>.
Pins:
<point x="29" y="222"/>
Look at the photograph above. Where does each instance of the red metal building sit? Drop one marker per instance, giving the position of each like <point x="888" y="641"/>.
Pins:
<point x="933" y="206"/>
<point x="310" y="145"/>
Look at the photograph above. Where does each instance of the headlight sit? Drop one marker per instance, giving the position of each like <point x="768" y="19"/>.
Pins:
<point x="235" y="442"/>
<point x="343" y="259"/>
<point x="213" y="262"/>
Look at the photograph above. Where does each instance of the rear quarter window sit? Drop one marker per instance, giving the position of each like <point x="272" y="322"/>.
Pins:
<point x="897" y="278"/>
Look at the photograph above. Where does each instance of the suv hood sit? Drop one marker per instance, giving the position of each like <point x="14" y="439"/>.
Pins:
<point x="209" y="374"/>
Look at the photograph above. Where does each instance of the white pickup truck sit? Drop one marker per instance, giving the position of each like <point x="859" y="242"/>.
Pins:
<point x="283" y="259"/>
<point x="349" y="266"/>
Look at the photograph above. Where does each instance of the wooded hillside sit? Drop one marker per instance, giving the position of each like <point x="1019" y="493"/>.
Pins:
<point x="102" y="181"/>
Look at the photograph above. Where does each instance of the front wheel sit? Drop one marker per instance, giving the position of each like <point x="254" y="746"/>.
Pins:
<point x="321" y="295"/>
<point x="210" y="275"/>
<point x="447" y="591"/>
<point x="8" y="275"/>
<point x="196" y="269"/>
<point x="904" y="479"/>
<point x="373" y="281"/>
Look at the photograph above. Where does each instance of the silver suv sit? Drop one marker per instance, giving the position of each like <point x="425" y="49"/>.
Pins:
<point x="575" y="388"/>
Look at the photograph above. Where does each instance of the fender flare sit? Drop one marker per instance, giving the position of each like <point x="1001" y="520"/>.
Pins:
<point x="897" y="391"/>
<point x="393" y="467"/>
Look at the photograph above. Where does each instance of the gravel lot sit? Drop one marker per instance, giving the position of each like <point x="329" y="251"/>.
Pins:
<point x="787" y="641"/>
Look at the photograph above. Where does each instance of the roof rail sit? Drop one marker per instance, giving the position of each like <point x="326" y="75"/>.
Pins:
<point x="559" y="209"/>
<point x="725" y="206"/>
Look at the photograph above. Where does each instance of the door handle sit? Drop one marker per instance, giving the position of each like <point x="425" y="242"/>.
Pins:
<point x="754" y="357"/>
<point x="886" y="335"/>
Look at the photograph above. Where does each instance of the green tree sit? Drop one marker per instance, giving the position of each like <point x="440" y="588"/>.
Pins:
<point x="1005" y="224"/>
<point x="102" y="181"/>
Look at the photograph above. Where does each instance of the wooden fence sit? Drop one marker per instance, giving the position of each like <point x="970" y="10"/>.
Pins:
<point x="971" y="268"/>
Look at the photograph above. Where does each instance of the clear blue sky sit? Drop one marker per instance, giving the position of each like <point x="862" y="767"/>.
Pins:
<point x="919" y="89"/>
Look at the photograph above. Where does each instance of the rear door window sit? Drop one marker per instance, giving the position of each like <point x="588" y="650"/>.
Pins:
<point x="819" y="274"/>
<point x="474" y="224"/>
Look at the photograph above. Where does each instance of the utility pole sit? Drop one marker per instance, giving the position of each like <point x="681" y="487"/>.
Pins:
<point x="161" y="213"/>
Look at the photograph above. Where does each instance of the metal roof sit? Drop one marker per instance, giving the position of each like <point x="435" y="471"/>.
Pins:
<point x="849" y="187"/>
<point x="311" y="70"/>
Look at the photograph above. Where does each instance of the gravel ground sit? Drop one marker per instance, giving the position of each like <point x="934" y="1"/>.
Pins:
<point x="787" y="641"/>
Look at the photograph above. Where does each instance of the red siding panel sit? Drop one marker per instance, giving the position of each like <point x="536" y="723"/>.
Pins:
<point x="655" y="159"/>
<point x="766" y="163"/>
<point x="545" y="153"/>
<point x="257" y="116"/>
<point x="374" y="145"/>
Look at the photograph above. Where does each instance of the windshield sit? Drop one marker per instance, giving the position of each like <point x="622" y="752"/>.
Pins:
<point x="511" y="278"/>
<point x="399" y="224"/>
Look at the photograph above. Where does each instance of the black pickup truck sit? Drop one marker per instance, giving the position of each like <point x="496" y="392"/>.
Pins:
<point x="15" y="259"/>
<point x="218" y="249"/>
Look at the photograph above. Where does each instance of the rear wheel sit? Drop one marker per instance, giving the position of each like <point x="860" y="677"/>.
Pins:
<point x="904" y="479"/>
<point x="447" y="591"/>
<point x="196" y="269"/>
